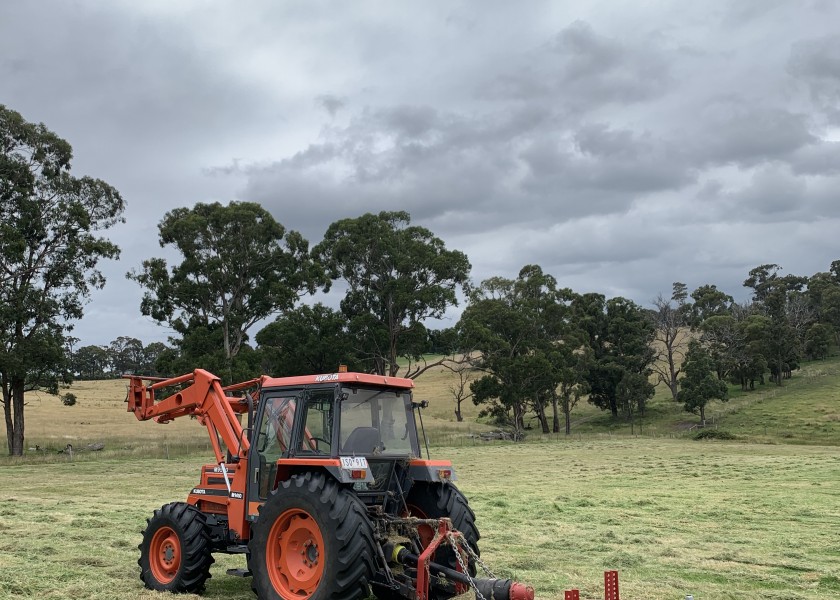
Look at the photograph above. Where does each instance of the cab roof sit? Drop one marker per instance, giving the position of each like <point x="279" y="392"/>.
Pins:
<point x="348" y="378"/>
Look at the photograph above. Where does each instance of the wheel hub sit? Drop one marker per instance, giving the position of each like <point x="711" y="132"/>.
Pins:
<point x="165" y="555"/>
<point x="312" y="552"/>
<point x="294" y="555"/>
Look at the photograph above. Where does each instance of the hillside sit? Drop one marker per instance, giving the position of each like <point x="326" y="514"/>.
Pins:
<point x="805" y="410"/>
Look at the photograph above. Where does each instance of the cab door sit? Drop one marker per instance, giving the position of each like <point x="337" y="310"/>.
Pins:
<point x="275" y="428"/>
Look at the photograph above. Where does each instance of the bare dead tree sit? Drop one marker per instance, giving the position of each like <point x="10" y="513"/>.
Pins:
<point x="800" y="316"/>
<point x="671" y="339"/>
<point x="460" y="389"/>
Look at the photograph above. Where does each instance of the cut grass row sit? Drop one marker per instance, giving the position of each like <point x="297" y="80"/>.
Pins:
<point x="720" y="521"/>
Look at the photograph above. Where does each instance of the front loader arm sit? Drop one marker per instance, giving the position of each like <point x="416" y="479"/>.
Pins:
<point x="204" y="398"/>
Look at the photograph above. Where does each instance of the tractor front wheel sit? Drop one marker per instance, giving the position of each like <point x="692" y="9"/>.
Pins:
<point x="313" y="539"/>
<point x="175" y="554"/>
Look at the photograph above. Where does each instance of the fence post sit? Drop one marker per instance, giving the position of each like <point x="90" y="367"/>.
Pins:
<point x="611" y="585"/>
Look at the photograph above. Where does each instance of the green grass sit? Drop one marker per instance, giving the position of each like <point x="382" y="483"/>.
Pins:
<point x="718" y="520"/>
<point x="805" y="410"/>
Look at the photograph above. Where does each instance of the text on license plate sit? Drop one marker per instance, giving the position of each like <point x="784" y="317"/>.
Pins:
<point x="353" y="462"/>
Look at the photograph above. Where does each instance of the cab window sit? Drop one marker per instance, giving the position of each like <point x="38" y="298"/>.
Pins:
<point x="318" y="425"/>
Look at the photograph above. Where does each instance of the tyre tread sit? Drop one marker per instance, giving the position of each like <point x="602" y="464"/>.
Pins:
<point x="356" y="554"/>
<point x="196" y="553"/>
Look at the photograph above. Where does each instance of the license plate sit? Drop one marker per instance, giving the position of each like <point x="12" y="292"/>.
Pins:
<point x="353" y="462"/>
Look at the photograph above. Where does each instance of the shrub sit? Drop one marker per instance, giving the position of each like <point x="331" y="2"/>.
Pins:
<point x="714" y="434"/>
<point x="68" y="399"/>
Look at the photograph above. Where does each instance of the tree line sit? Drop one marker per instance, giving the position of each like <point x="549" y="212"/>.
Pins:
<point x="523" y="348"/>
<point x="123" y="355"/>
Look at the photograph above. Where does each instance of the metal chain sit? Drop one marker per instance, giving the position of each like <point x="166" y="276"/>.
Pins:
<point x="464" y="568"/>
<point x="476" y="557"/>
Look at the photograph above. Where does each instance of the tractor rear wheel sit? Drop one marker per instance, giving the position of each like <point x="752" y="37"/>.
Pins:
<point x="313" y="539"/>
<point x="175" y="554"/>
<point x="436" y="501"/>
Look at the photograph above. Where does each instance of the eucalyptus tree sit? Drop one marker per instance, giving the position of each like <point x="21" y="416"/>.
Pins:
<point x="307" y="340"/>
<point x="50" y="248"/>
<point x="780" y="300"/>
<point x="700" y="386"/>
<point x="526" y="345"/>
<point x="709" y="301"/>
<point x="237" y="266"/>
<point x="397" y="276"/>
<point x="619" y="336"/>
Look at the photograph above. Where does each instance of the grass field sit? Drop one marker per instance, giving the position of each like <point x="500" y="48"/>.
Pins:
<point x="742" y="520"/>
<point x="721" y="521"/>
<point x="805" y="410"/>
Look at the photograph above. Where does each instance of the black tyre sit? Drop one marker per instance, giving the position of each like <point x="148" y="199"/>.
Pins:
<point x="313" y="540"/>
<point x="175" y="554"/>
<point x="438" y="500"/>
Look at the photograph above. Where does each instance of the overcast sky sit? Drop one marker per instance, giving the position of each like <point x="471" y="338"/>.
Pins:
<point x="622" y="146"/>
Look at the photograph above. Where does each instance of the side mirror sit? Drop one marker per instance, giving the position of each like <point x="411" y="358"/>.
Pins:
<point x="421" y="404"/>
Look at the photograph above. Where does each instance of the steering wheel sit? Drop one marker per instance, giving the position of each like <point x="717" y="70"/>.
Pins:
<point x="316" y="440"/>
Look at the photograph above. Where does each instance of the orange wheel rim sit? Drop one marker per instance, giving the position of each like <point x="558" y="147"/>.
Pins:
<point x="426" y="532"/>
<point x="295" y="554"/>
<point x="165" y="555"/>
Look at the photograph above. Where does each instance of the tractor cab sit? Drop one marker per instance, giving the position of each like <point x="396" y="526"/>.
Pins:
<point x="359" y="428"/>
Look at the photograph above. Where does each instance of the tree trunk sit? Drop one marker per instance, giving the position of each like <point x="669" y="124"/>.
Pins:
<point x="672" y="384"/>
<point x="16" y="437"/>
<point x="7" y="410"/>
<point x="567" y="412"/>
<point x="555" y="423"/>
<point x="780" y="368"/>
<point x="518" y="419"/>
<point x="541" y="415"/>
<point x="393" y="337"/>
<point x="458" y="414"/>
<point x="703" y="415"/>
<point x="379" y="365"/>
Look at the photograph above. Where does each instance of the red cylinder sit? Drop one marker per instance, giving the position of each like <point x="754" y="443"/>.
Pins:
<point x="520" y="591"/>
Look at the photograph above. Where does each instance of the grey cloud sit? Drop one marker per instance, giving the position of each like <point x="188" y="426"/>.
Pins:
<point x="824" y="198"/>
<point x="331" y="103"/>
<point x="816" y="63"/>
<point x="733" y="131"/>
<point x="580" y="69"/>
<point x="445" y="167"/>
<point x="822" y="158"/>
<point x="772" y="192"/>
<point x="741" y="12"/>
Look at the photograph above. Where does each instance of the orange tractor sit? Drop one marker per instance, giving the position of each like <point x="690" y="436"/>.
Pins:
<point x="324" y="490"/>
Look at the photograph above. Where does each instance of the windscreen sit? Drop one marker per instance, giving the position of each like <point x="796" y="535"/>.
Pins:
<point x="376" y="422"/>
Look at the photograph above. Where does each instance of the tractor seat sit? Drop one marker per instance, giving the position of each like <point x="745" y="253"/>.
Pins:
<point x="362" y="440"/>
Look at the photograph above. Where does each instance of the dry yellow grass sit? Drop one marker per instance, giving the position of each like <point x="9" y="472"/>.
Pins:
<point x="100" y="416"/>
